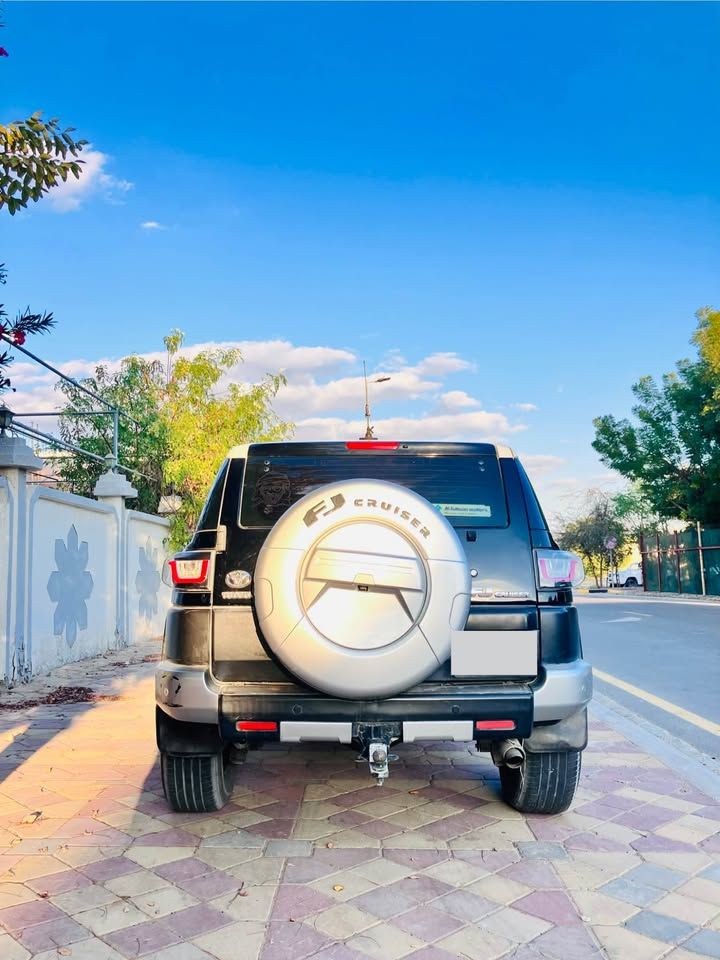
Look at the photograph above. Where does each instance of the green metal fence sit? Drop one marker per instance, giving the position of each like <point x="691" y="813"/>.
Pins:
<point x="685" y="562"/>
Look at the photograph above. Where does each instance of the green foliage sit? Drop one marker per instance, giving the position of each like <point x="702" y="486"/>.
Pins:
<point x="35" y="155"/>
<point x="136" y="388"/>
<point x="589" y="534"/>
<point x="672" y="451"/>
<point x="203" y="424"/>
<point x="15" y="332"/>
<point x="186" y="426"/>
<point x="707" y="338"/>
<point x="636" y="514"/>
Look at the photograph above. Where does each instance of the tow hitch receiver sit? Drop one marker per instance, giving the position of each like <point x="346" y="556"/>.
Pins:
<point x="375" y="740"/>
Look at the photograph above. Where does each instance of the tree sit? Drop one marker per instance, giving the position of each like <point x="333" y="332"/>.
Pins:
<point x="707" y="339"/>
<point x="598" y="536"/>
<point x="202" y="424"/>
<point x="672" y="452"/>
<point x="184" y="429"/>
<point x="136" y="388"/>
<point x="635" y="513"/>
<point x="15" y="332"/>
<point x="35" y="155"/>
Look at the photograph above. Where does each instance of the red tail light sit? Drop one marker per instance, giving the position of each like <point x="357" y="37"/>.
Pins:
<point x="257" y="726"/>
<point x="372" y="444"/>
<point x="188" y="572"/>
<point x="494" y="724"/>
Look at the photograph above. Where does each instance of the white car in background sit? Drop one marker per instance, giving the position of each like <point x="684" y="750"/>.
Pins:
<point x="630" y="576"/>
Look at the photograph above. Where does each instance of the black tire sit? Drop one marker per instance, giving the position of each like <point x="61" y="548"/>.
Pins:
<point x="545" y="783"/>
<point x="631" y="582"/>
<point x="196" y="784"/>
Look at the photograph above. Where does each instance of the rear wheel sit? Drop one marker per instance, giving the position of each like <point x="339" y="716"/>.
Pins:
<point x="545" y="783"/>
<point x="631" y="582"/>
<point x="196" y="784"/>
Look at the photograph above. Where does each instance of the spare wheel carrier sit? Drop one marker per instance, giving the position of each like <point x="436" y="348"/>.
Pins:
<point x="358" y="588"/>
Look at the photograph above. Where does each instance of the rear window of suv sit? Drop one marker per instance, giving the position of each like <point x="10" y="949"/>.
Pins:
<point x="468" y="490"/>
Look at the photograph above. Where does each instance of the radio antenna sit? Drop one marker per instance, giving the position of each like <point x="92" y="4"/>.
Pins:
<point x="369" y="429"/>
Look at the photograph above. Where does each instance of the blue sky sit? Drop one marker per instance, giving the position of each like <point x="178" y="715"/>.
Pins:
<point x="529" y="190"/>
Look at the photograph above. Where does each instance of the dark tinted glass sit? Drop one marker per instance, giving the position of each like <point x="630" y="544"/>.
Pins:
<point x="468" y="490"/>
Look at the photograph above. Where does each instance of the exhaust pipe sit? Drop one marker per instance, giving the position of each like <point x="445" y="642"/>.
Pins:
<point x="508" y="753"/>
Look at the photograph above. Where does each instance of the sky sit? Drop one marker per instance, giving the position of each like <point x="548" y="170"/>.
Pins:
<point x="512" y="210"/>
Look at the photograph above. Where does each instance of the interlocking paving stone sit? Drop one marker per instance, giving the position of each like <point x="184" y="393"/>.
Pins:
<point x="144" y="938"/>
<point x="465" y="905"/>
<point x="706" y="943"/>
<point x="659" y="927"/>
<point x="427" y="923"/>
<point x="343" y="921"/>
<point x="569" y="943"/>
<point x="701" y="889"/>
<point x="686" y="908"/>
<point x="655" y="876"/>
<point x="538" y="850"/>
<point x="289" y="848"/>
<point x="552" y="905"/>
<point x="223" y="944"/>
<point x="294" y="902"/>
<point x="232" y="838"/>
<point x="52" y="934"/>
<point x="641" y="894"/>
<point x="184" y="869"/>
<point x="26" y="914"/>
<point x="385" y="902"/>
<point x="534" y="873"/>
<point x="476" y="944"/>
<point x="432" y="855"/>
<point x="384" y="942"/>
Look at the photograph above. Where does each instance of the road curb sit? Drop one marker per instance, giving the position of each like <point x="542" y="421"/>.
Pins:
<point x="698" y="769"/>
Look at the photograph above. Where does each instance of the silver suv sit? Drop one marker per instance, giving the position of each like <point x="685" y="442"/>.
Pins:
<point x="367" y="593"/>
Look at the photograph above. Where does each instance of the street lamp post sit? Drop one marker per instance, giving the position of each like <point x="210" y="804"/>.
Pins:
<point x="369" y="430"/>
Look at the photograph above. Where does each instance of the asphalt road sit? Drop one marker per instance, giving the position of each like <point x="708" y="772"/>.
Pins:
<point x="666" y="649"/>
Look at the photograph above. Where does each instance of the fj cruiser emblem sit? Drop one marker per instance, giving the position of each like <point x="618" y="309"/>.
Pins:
<point x="396" y="511"/>
<point x="322" y="509"/>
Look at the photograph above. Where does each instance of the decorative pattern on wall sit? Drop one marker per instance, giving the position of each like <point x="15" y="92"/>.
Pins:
<point x="70" y="586"/>
<point x="147" y="580"/>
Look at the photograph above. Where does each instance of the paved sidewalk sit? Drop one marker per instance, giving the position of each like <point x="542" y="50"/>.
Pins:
<point x="311" y="860"/>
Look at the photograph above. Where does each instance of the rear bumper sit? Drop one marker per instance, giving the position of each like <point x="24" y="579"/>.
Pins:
<point x="189" y="693"/>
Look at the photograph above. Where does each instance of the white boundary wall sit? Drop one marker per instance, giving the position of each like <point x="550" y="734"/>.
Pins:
<point x="78" y="576"/>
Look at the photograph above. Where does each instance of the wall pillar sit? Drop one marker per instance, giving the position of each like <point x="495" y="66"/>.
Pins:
<point x="16" y="460"/>
<point x="114" y="489"/>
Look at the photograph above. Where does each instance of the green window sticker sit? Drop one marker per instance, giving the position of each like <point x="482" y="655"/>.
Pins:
<point x="464" y="509"/>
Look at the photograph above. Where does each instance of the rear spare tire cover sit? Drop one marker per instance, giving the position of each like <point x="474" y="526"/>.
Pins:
<point x="358" y="588"/>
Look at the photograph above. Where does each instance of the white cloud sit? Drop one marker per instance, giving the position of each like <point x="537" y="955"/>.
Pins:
<point x="456" y="399"/>
<point x="541" y="463"/>
<point x="525" y="407"/>
<point x="319" y="393"/>
<point x="94" y="180"/>
<point x="152" y="225"/>
<point x="478" y="425"/>
<point x="440" y="364"/>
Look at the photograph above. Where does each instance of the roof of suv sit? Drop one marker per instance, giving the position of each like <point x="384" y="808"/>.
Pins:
<point x="310" y="447"/>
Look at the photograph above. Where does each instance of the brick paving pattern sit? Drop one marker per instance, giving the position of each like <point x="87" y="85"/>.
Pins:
<point x="311" y="860"/>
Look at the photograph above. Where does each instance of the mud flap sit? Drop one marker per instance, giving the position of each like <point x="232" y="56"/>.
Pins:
<point x="568" y="734"/>
<point x="181" y="738"/>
